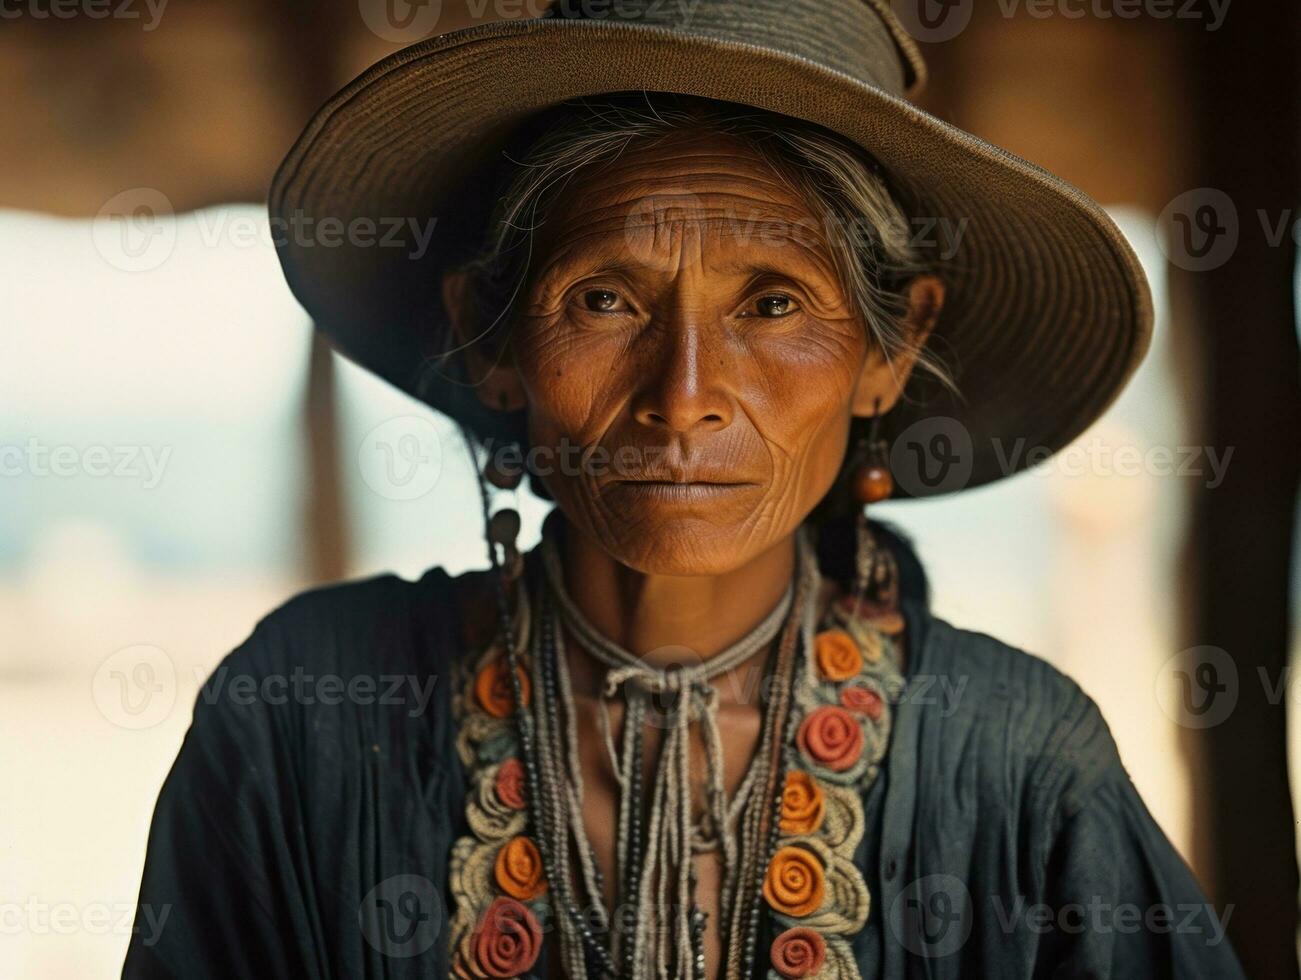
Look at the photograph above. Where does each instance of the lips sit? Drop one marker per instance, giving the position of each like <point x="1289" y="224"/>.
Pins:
<point x="683" y="476"/>
<point x="684" y="468"/>
<point x="686" y="482"/>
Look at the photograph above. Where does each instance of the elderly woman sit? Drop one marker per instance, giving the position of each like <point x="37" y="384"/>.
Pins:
<point x="708" y="728"/>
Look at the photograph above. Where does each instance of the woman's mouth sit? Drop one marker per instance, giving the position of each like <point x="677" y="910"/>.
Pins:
<point x="685" y="491"/>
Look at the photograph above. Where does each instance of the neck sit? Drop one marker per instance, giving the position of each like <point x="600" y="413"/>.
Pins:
<point x="656" y="616"/>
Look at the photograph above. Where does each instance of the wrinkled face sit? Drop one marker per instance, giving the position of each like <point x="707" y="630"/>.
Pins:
<point x="689" y="357"/>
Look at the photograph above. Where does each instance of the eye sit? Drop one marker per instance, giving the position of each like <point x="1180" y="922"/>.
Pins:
<point x="602" y="301"/>
<point x="773" y="306"/>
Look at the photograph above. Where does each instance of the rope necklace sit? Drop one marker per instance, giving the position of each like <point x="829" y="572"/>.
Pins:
<point x="656" y="875"/>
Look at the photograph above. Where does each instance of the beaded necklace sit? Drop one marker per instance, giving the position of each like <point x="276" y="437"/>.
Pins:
<point x="786" y="839"/>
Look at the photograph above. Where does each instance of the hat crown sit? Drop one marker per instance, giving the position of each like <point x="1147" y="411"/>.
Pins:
<point x="861" y="38"/>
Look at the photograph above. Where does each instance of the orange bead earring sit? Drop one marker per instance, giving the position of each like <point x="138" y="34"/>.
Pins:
<point x="871" y="479"/>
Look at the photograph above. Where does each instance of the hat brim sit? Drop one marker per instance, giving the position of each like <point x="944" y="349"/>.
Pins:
<point x="1047" y="311"/>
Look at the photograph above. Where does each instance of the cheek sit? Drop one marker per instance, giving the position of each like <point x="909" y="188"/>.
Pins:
<point x="809" y="383"/>
<point x="567" y="379"/>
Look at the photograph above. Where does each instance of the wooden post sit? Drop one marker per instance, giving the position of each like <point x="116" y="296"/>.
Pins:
<point x="1244" y="93"/>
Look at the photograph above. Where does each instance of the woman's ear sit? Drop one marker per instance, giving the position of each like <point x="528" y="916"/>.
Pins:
<point x="490" y="368"/>
<point x="882" y="381"/>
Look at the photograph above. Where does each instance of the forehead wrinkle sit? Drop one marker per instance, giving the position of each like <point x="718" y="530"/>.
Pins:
<point x="736" y="255"/>
<point x="689" y="204"/>
<point x="726" y="172"/>
<point x="714" y="216"/>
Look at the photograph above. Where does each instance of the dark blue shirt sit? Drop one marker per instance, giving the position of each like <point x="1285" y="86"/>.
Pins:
<point x="305" y="828"/>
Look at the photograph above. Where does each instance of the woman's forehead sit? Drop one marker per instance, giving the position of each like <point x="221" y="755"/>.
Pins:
<point x="705" y="189"/>
<point x="707" y="163"/>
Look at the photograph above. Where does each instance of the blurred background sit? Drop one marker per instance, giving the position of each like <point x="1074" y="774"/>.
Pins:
<point x="178" y="454"/>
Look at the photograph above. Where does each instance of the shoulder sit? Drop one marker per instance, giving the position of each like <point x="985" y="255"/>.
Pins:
<point x="356" y="624"/>
<point x="1018" y="718"/>
<point x="337" y="649"/>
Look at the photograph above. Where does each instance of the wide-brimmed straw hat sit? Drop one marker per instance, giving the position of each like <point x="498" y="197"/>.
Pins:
<point x="1047" y="310"/>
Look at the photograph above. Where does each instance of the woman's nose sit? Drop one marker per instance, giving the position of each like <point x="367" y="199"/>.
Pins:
<point x="685" y="387"/>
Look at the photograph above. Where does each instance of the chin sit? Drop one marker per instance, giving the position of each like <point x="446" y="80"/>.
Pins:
<point x="683" y="544"/>
<point x="685" y="548"/>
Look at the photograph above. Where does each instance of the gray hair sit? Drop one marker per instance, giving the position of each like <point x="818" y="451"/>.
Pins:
<point x="861" y="221"/>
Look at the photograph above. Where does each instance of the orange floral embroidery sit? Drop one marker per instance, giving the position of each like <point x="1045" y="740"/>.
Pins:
<point x="509" y="786"/>
<point x="803" y="805"/>
<point x="507" y="941"/>
<point x="795" y="883"/>
<point x="863" y="700"/>
<point x="493" y="690"/>
<point x="798" y="953"/>
<point x="831" y="737"/>
<point x="838" y="655"/>
<point x="519" y="869"/>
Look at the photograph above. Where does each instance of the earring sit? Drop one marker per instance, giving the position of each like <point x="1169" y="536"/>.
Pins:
<point x="870" y="479"/>
<point x="498" y="473"/>
<point x="876" y="579"/>
<point x="504" y="470"/>
<point x="503" y="529"/>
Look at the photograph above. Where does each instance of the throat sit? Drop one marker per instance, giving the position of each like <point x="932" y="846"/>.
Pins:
<point x="666" y="619"/>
